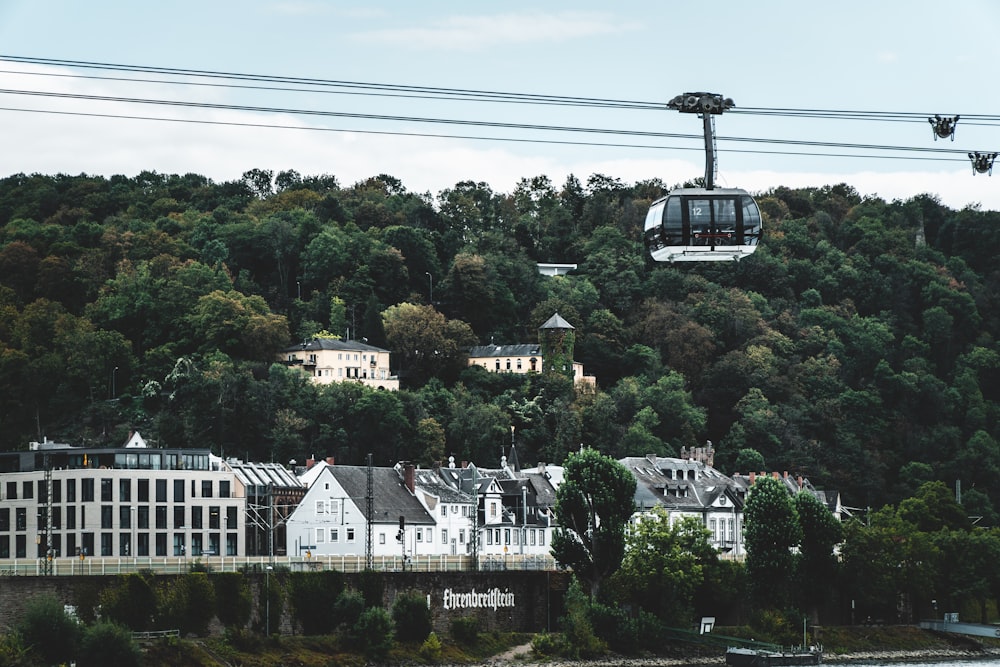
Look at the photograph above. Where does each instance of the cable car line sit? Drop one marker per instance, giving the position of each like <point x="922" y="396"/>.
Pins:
<point x="431" y="92"/>
<point x="472" y="123"/>
<point x="195" y="121"/>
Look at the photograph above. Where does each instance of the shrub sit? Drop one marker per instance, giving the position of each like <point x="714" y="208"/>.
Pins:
<point x="578" y="632"/>
<point x="188" y="603"/>
<point x="48" y="632"/>
<point x="374" y="632"/>
<point x="347" y="609"/>
<point x="131" y="602"/>
<point x="545" y="644"/>
<point x="465" y="630"/>
<point x="411" y="616"/>
<point x="107" y="643"/>
<point x="430" y="650"/>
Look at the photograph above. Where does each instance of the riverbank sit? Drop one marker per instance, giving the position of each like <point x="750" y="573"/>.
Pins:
<point x="842" y="645"/>
<point x="523" y="657"/>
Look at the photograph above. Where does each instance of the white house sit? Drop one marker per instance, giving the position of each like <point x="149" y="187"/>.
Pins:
<point x="442" y="509"/>
<point x="331" y="519"/>
<point x="328" y="360"/>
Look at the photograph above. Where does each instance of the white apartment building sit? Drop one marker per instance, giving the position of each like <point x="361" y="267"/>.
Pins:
<point x="58" y="500"/>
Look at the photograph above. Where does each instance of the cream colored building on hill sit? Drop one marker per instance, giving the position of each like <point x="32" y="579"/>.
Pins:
<point x="530" y="357"/>
<point x="328" y="360"/>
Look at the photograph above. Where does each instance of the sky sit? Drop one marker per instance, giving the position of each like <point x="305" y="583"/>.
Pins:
<point x="915" y="58"/>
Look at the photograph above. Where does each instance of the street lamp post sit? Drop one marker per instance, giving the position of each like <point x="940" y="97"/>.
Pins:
<point x="430" y="280"/>
<point x="114" y="382"/>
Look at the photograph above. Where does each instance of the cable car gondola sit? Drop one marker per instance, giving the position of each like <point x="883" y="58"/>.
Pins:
<point x="703" y="224"/>
<point x="698" y="224"/>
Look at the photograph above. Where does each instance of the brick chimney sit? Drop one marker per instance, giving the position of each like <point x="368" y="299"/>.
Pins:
<point x="329" y="460"/>
<point x="410" y="477"/>
<point x="753" y="477"/>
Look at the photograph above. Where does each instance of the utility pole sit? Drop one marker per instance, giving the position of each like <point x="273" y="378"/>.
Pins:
<point x="475" y="519"/>
<point x="369" y="517"/>
<point x="49" y="555"/>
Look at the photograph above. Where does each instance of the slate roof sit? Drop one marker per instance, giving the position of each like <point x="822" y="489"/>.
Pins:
<point x="556" y="322"/>
<point x="333" y="344"/>
<point x="693" y="486"/>
<point x="431" y="481"/>
<point x="391" y="498"/>
<point x="519" y="350"/>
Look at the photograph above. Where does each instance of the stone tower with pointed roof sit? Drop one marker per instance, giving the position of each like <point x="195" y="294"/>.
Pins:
<point x="557" y="340"/>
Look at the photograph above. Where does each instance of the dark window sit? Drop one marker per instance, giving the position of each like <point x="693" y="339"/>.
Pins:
<point x="42" y="495"/>
<point x="70" y="517"/>
<point x="125" y="544"/>
<point x="161" y="544"/>
<point x="125" y="490"/>
<point x="106" y="491"/>
<point x="223" y="489"/>
<point x="231" y="518"/>
<point x="206" y="488"/>
<point x="143" y="540"/>
<point x="142" y="520"/>
<point x="57" y="518"/>
<point x="57" y="490"/>
<point x="71" y="490"/>
<point x="213" y="517"/>
<point x="179" y="516"/>
<point x="27" y="489"/>
<point x="107" y="516"/>
<point x="178" y="490"/>
<point x="87" y="492"/>
<point x="161" y="517"/>
<point x="88" y="544"/>
<point x="143" y="491"/>
<point x="20" y="518"/>
<point x="196" y="517"/>
<point x="161" y="490"/>
<point x="20" y="546"/>
<point x="125" y="516"/>
<point x="106" y="542"/>
<point x="4" y="519"/>
<point x="11" y="490"/>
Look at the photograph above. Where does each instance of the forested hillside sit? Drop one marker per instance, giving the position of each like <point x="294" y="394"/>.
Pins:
<point x="857" y="346"/>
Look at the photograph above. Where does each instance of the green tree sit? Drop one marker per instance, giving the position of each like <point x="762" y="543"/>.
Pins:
<point x="375" y="632"/>
<point x="106" y="643"/>
<point x="411" y="616"/>
<point x="771" y="530"/>
<point x="659" y="573"/>
<point x="48" y="632"/>
<point x="821" y="533"/>
<point x="425" y="342"/>
<point x="593" y="506"/>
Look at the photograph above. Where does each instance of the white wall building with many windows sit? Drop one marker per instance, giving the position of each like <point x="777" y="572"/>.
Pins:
<point x="58" y="500"/>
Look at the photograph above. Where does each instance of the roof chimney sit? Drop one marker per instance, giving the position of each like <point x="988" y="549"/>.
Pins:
<point x="753" y="477"/>
<point x="329" y="460"/>
<point x="410" y="477"/>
